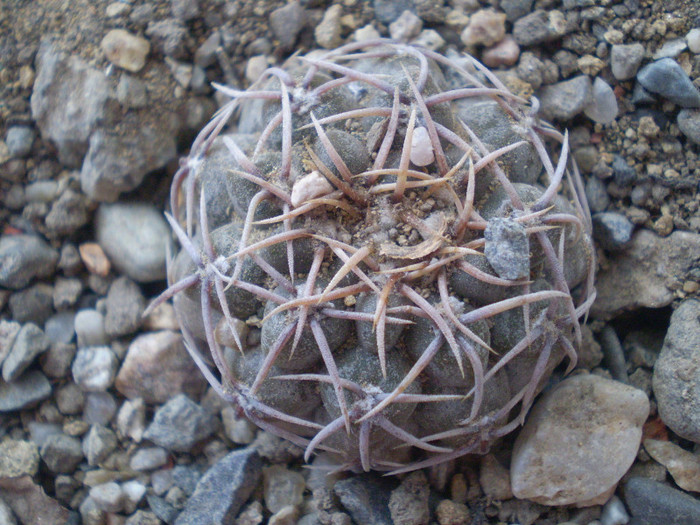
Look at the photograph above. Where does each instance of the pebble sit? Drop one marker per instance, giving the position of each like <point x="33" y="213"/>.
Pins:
<point x="66" y="292"/>
<point x="255" y="67"/>
<point x="134" y="492"/>
<point x="29" y="343"/>
<point x="19" y="140"/>
<point x="94" y="258"/>
<point x="327" y="32"/>
<point x="185" y="9"/>
<point x="505" y="53"/>
<point x="644" y="274"/>
<point x="507" y="248"/>
<point x="486" y="27"/>
<point x="223" y="489"/>
<point x="6" y="515"/>
<point x="597" y="194"/>
<point x="157" y="367"/>
<point x="286" y="22"/>
<point x="668" y="79"/>
<point x="131" y="92"/>
<point x="149" y="458"/>
<point x="131" y="419"/>
<point x="693" y="39"/>
<point x="8" y="333"/>
<point x="282" y="487"/>
<point x="429" y="39"/>
<point x="18" y="458"/>
<point x="625" y="60"/>
<point x="651" y="503"/>
<point x="603" y="107"/>
<point x="23" y="258"/>
<point x="676" y="386"/>
<point x="134" y="237"/>
<point x="239" y="430"/>
<point x="564" y="100"/>
<point x="61" y="453"/>
<point x="624" y="174"/>
<point x="494" y="479"/>
<point x="408" y="503"/>
<point x="614" y="513"/>
<point x="578" y="441"/>
<point x="108" y="496"/>
<point x="612" y="230"/>
<point x="671" y="48"/>
<point x="406" y="27"/>
<point x="688" y="121"/>
<point x="124" y="306"/>
<point x="179" y="424"/>
<point x="31" y="504"/>
<point x="100" y="408"/>
<point x="539" y="27"/>
<point x="98" y="444"/>
<point x="24" y="392"/>
<point x="368" y="32"/>
<point x="94" y="368"/>
<point x="516" y="9"/>
<point x="69" y="99"/>
<point x="186" y="478"/>
<point x="451" y="513"/>
<point x="365" y="498"/>
<point x="33" y="304"/>
<point x="115" y="163"/>
<point x="682" y="464"/>
<point x="125" y="50"/>
<point x="168" y="36"/>
<point x="89" y="327"/>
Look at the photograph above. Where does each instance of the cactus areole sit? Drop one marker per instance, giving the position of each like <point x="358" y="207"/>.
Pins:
<point x="379" y="259"/>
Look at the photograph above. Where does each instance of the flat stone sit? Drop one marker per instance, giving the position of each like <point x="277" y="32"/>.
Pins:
<point x="643" y="275"/>
<point x="23" y="258"/>
<point x="223" y="489"/>
<point x="667" y="78"/>
<point x="179" y="424"/>
<point x="134" y="237"/>
<point x="29" y="343"/>
<point x="125" y="50"/>
<point x="675" y="381"/>
<point x="682" y="464"/>
<point x="24" y="392"/>
<point x="564" y="100"/>
<point x="652" y="503"/>
<point x="578" y="441"/>
<point x="157" y="367"/>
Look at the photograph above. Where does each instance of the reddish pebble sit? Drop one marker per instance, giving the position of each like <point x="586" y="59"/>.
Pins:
<point x="94" y="258"/>
<point x="505" y="53"/>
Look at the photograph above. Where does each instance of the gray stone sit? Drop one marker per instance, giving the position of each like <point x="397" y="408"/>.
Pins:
<point x="161" y="508"/>
<point x="564" y="100"/>
<point x="179" y="424"/>
<point x="100" y="408"/>
<point x="149" y="458"/>
<point x="408" y="502"/>
<point x="405" y="27"/>
<point x="366" y="499"/>
<point x="68" y="213"/>
<point x="689" y="123"/>
<point x="23" y="392"/>
<point x="30" y="503"/>
<point x="625" y="60"/>
<point x="61" y="453"/>
<point x="578" y="441"/>
<point x="8" y="333"/>
<point x="624" y="174"/>
<point x="612" y="230"/>
<point x="327" y="32"/>
<point x="134" y="237"/>
<point x="693" y="39"/>
<point x="89" y="326"/>
<point x="286" y="22"/>
<point x="539" y="27"/>
<point x="168" y="36"/>
<point x="66" y="292"/>
<point x="98" y="444"/>
<point x="60" y="328"/>
<point x="29" y="343"/>
<point x="6" y="515"/>
<point x="223" y="489"/>
<point x="603" y="105"/>
<point x="676" y="387"/>
<point x="597" y="194"/>
<point x="516" y="9"/>
<point x="184" y="9"/>
<point x="33" y="304"/>
<point x="68" y="101"/>
<point x="23" y="258"/>
<point x="125" y="304"/>
<point x="651" y="503"/>
<point x="131" y="92"/>
<point x="116" y="163"/>
<point x="646" y="273"/>
<point x="19" y="140"/>
<point x="70" y="400"/>
<point x="668" y="79"/>
<point x="108" y="496"/>
<point x="157" y="367"/>
<point x="94" y="368"/>
<point x="143" y="517"/>
<point x="507" y="248"/>
<point x="282" y="487"/>
<point x="186" y="477"/>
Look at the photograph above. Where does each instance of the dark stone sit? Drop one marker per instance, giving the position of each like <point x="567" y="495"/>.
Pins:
<point x="179" y="424"/>
<point x="612" y="230"/>
<point x="366" y="499"/>
<point x="24" y="392"/>
<point x="24" y="257"/>
<point x="624" y="173"/>
<point x="667" y="78"/>
<point x="651" y="503"/>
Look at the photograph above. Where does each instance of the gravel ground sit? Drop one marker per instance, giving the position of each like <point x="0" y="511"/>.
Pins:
<point x="104" y="418"/>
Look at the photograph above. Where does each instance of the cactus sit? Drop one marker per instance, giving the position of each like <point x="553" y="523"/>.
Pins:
<point x="379" y="259"/>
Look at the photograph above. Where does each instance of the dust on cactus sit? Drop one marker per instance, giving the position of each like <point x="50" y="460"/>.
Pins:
<point x="379" y="259"/>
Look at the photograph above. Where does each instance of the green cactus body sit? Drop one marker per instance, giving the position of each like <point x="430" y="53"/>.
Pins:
<point x="409" y="263"/>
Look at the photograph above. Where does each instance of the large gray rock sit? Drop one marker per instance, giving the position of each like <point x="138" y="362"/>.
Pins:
<point x="676" y="381"/>
<point x="578" y="441"/>
<point x="24" y="257"/>
<point x="223" y="489"/>
<point x="134" y="235"/>
<point x="69" y="99"/>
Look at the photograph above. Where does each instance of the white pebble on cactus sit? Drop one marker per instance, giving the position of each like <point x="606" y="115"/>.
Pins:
<point x="421" y="147"/>
<point x="309" y="187"/>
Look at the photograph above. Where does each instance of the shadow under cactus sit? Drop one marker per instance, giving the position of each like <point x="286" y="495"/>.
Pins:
<point x="416" y="262"/>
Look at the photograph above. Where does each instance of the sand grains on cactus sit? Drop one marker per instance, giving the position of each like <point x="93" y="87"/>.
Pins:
<point x="409" y="262"/>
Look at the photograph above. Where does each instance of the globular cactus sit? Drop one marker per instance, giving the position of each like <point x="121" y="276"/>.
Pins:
<point x="379" y="259"/>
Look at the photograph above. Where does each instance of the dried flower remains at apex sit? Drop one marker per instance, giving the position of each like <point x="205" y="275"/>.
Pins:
<point x="379" y="259"/>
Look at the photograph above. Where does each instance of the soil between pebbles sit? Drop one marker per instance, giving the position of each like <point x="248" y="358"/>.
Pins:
<point x="103" y="417"/>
